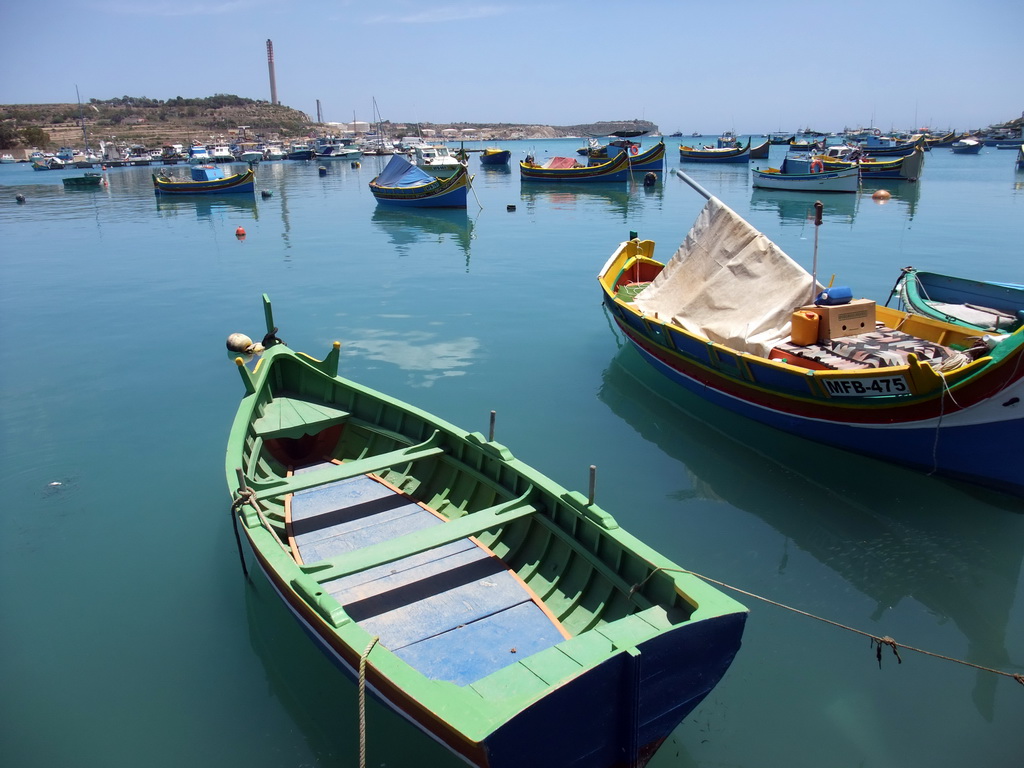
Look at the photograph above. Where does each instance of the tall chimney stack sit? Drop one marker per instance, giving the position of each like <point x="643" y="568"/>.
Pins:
<point x="270" y="66"/>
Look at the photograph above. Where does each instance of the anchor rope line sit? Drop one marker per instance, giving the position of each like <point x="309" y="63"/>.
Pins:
<point x="876" y="641"/>
<point x="362" y="701"/>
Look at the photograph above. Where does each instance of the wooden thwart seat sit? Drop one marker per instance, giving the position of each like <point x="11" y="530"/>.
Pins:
<point x="433" y="594"/>
<point x="335" y="472"/>
<point x="418" y="541"/>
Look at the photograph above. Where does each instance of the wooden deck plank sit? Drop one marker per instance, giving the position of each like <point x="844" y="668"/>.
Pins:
<point x="470" y="652"/>
<point x="364" y="584"/>
<point x="440" y="599"/>
<point x="437" y="602"/>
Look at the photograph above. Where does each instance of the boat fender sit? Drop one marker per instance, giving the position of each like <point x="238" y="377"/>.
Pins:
<point x="510" y="208"/>
<point x="633" y="149"/>
<point x="817" y="166"/>
<point x="239" y="342"/>
<point x="650" y="179"/>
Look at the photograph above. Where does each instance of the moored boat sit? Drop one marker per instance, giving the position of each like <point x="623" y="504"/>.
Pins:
<point x="300" y="150"/>
<point x="403" y="184"/>
<point x="981" y="306"/>
<point x="907" y="168"/>
<point x="464" y="589"/>
<point x="85" y="181"/>
<point x="495" y="156"/>
<point x="640" y="160"/>
<point x="569" y="169"/>
<point x="819" y="180"/>
<point x="966" y="146"/>
<point x="48" y="164"/>
<point x="437" y="160"/>
<point x="714" y="154"/>
<point x="206" y="179"/>
<point x="732" y="318"/>
<point x="761" y="151"/>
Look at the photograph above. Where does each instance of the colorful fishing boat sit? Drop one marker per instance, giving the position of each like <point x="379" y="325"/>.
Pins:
<point x="206" y="179"/>
<point x="1020" y="157"/>
<point x="495" y="156"/>
<point x="734" y="319"/>
<point x="714" y="154"/>
<point x="942" y="141"/>
<point x="558" y="169"/>
<point x="401" y="183"/>
<point x="907" y="168"/>
<point x="818" y="180"/>
<point x="761" y="151"/>
<point x="983" y="307"/>
<point x="640" y="161"/>
<point x="510" y="619"/>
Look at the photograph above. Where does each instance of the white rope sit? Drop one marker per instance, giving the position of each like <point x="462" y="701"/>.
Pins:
<point x="362" y="701"/>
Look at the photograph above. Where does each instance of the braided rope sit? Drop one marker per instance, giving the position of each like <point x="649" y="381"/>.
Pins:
<point x="876" y="642"/>
<point x="362" y="701"/>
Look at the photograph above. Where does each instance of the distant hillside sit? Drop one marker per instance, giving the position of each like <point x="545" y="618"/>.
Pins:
<point x="150" y="122"/>
<point x="153" y="123"/>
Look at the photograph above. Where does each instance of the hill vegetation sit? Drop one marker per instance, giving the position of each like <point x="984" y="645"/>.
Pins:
<point x="220" y="118"/>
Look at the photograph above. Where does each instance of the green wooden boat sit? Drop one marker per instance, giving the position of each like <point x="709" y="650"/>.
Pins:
<point x="86" y="181"/>
<point x="512" y="620"/>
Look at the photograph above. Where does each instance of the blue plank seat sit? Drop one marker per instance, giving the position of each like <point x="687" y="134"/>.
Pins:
<point x="435" y="597"/>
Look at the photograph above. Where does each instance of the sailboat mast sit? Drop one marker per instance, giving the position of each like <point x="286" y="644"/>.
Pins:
<point x="81" y="119"/>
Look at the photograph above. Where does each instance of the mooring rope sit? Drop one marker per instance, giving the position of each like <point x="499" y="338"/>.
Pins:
<point x="362" y="701"/>
<point x="876" y="642"/>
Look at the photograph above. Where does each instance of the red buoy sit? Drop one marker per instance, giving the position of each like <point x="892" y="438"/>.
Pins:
<point x="240" y="233"/>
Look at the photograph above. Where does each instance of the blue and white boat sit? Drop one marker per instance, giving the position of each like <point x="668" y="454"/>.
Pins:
<point x="403" y="184"/>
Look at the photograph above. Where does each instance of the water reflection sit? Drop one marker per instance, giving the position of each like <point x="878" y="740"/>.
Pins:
<point x="798" y="208"/>
<point x="206" y="207"/>
<point x="611" y="197"/>
<point x="418" y="353"/>
<point x="406" y="227"/>
<point x="320" y="700"/>
<point x="903" y="194"/>
<point x="893" y="534"/>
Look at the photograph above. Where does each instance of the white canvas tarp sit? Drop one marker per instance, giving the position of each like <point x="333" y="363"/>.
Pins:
<point x="729" y="283"/>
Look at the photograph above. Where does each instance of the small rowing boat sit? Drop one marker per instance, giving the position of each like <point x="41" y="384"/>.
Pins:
<point x="510" y="619"/>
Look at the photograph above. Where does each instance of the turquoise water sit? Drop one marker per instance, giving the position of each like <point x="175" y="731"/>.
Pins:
<point x="130" y="636"/>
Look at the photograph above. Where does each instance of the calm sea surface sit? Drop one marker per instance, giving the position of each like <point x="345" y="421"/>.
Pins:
<point x="129" y="636"/>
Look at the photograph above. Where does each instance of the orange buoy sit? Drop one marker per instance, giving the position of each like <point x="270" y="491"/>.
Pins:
<point x="881" y="195"/>
<point x="240" y="233"/>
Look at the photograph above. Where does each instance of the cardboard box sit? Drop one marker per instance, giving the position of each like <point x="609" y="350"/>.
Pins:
<point x="858" y="316"/>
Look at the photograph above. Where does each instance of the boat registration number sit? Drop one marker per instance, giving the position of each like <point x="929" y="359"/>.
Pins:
<point x="867" y="386"/>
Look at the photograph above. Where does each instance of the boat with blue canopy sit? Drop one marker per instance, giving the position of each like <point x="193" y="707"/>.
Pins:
<point x="402" y="183"/>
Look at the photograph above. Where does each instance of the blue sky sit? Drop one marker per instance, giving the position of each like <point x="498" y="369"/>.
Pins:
<point x="741" y="66"/>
